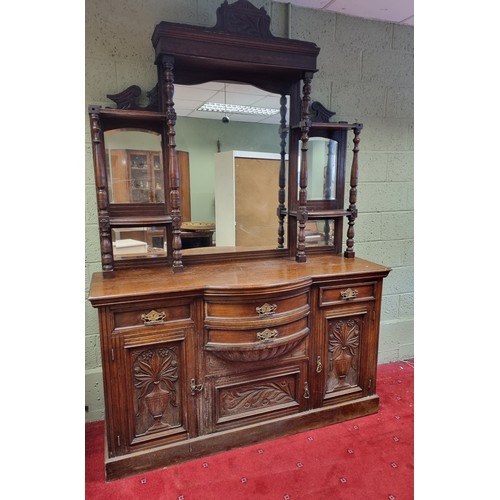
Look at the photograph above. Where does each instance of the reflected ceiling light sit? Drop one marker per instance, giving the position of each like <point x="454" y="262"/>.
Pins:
<point x="236" y="108"/>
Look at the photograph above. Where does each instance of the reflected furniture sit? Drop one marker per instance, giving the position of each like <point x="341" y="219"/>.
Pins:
<point x="245" y="198"/>
<point x="208" y="349"/>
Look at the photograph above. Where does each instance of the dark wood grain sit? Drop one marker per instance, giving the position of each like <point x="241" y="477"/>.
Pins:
<point x="245" y="344"/>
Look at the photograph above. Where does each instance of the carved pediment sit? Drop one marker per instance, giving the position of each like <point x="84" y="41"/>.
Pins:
<point x="243" y="18"/>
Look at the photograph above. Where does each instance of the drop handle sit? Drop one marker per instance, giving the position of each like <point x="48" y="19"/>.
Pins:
<point x="307" y="394"/>
<point x="195" y="387"/>
<point x="319" y="365"/>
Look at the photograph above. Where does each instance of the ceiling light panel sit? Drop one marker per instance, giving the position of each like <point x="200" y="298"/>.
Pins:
<point x="237" y="108"/>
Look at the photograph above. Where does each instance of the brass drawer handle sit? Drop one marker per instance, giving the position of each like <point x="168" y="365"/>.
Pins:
<point x="267" y="335"/>
<point x="153" y="317"/>
<point x="266" y="309"/>
<point x="350" y="293"/>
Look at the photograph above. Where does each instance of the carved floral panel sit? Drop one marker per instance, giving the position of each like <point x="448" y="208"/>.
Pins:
<point x="155" y="379"/>
<point x="343" y="353"/>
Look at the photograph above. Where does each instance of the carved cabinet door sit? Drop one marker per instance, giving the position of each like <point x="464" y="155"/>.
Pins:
<point x="347" y="343"/>
<point x="153" y="374"/>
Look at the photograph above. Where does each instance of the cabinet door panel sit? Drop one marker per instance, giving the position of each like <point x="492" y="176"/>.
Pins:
<point x="345" y="342"/>
<point x="155" y="375"/>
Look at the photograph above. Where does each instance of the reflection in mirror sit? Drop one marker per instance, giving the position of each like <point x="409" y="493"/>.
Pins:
<point x="321" y="168"/>
<point x="134" y="166"/>
<point x="204" y="135"/>
<point x="139" y="242"/>
<point x="319" y="233"/>
<point x="246" y="190"/>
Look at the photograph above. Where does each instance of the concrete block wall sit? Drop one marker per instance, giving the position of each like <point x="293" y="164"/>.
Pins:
<point x="365" y="74"/>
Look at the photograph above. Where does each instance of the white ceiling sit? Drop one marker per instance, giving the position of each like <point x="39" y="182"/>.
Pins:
<point x="189" y="98"/>
<point x="393" y="11"/>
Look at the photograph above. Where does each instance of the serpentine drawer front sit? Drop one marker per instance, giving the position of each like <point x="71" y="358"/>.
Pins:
<point x="257" y="327"/>
<point x="255" y="307"/>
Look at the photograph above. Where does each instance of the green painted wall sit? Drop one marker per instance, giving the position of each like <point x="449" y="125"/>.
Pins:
<point x="365" y="74"/>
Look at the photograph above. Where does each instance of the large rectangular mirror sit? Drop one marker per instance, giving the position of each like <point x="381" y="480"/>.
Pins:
<point x="238" y="118"/>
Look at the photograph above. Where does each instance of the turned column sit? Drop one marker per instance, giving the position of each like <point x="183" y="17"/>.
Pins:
<point x="99" y="157"/>
<point x="353" y="193"/>
<point x="302" y="210"/>
<point x="282" y="174"/>
<point x="167" y="78"/>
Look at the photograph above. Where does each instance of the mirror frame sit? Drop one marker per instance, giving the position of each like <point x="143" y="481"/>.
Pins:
<point x="239" y="48"/>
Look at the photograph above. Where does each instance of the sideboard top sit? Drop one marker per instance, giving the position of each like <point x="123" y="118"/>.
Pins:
<point x="232" y="276"/>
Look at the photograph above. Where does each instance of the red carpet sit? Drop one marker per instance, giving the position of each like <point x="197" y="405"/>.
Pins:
<point x="367" y="458"/>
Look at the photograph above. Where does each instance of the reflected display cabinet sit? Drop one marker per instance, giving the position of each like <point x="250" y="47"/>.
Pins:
<point x="214" y="347"/>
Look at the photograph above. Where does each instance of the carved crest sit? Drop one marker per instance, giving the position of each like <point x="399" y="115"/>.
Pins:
<point x="243" y="18"/>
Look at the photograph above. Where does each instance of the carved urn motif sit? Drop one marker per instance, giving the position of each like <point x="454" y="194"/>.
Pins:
<point x="343" y="344"/>
<point x="155" y="375"/>
<point x="157" y="402"/>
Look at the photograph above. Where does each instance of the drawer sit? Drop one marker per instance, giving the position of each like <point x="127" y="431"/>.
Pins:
<point x="149" y="314"/>
<point x="341" y="294"/>
<point x="256" y="344"/>
<point x="254" y="307"/>
<point x="257" y="396"/>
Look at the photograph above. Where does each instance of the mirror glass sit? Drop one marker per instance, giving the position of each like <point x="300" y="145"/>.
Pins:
<point x="233" y="159"/>
<point x="319" y="233"/>
<point x="139" y="242"/>
<point x="321" y="168"/>
<point x="134" y="166"/>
